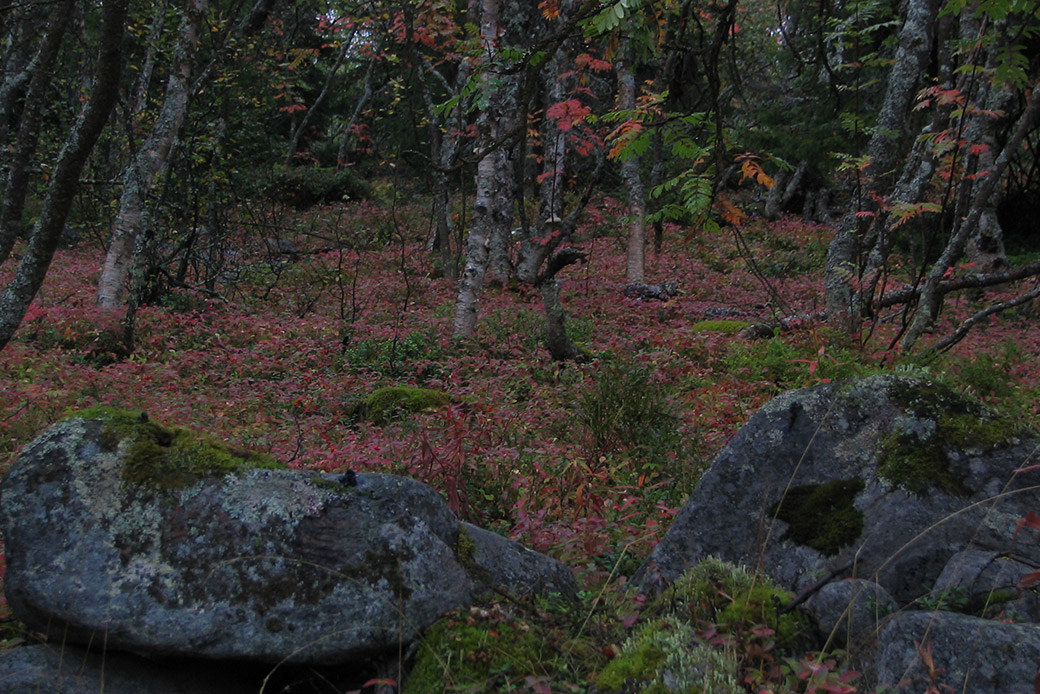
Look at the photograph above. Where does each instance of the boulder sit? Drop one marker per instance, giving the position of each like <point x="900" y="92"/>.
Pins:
<point x="850" y="612"/>
<point x="906" y="489"/>
<point x="884" y="479"/>
<point x="168" y="544"/>
<point x="957" y="653"/>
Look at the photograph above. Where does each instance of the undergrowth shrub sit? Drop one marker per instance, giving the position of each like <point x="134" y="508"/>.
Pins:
<point x="626" y="409"/>
<point x="306" y="186"/>
<point x="786" y="363"/>
<point x="397" y="356"/>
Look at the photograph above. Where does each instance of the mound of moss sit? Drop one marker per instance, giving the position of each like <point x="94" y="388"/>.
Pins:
<point x="169" y="458"/>
<point x="393" y="402"/>
<point x="668" y="652"/>
<point x="482" y="650"/>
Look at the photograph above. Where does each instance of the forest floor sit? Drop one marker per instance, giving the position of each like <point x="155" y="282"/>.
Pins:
<point x="587" y="462"/>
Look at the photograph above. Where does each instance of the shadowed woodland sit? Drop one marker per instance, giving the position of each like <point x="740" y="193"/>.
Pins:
<point x="546" y="257"/>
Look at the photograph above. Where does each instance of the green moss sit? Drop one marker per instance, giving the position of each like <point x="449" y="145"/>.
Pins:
<point x="639" y="662"/>
<point x="728" y="327"/>
<point x="481" y="650"/>
<point x="168" y="458"/>
<point x="387" y="404"/>
<point x="718" y="592"/>
<point x="822" y="516"/>
<point x="916" y="455"/>
<point x="465" y="548"/>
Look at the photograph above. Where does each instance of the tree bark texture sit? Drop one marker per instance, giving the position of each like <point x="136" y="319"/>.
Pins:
<point x="140" y="175"/>
<point x="29" y="123"/>
<point x="846" y="252"/>
<point x="632" y="177"/>
<point x="64" y="182"/>
<point x="477" y="242"/>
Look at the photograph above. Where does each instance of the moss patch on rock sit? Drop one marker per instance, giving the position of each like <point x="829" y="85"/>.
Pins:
<point x="393" y="402"/>
<point x="916" y="454"/>
<point x="822" y="516"/>
<point x="169" y="458"/>
<point x="728" y="327"/>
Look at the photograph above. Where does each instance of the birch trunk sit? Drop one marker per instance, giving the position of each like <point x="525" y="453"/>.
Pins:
<point x="472" y="279"/>
<point x="64" y="182"/>
<point x="140" y="175"/>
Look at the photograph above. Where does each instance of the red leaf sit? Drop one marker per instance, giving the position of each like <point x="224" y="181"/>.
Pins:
<point x="1029" y="580"/>
<point x="1030" y="521"/>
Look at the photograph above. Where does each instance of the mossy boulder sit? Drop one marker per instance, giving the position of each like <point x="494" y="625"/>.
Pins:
<point x="394" y="402"/>
<point x="169" y="457"/>
<point x="175" y="545"/>
<point x="882" y="478"/>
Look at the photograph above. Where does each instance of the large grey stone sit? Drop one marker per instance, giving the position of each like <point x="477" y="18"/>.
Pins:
<point x="166" y="545"/>
<point x="835" y="437"/>
<point x="966" y="654"/>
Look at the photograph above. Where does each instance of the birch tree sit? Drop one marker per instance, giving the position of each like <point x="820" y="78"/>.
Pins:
<point x="140" y="175"/>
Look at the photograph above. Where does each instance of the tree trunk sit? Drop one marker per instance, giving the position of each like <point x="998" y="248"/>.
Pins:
<point x="151" y="159"/>
<point x="477" y="242"/>
<point x="633" y="179"/>
<point x="36" y="99"/>
<point x="561" y="348"/>
<point x="64" y="181"/>
<point x="846" y="253"/>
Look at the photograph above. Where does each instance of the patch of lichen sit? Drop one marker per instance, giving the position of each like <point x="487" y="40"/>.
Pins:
<point x="393" y="402"/>
<point x="167" y="458"/>
<point x="916" y="456"/>
<point x="727" y="327"/>
<point x="822" y="516"/>
<point x="720" y="593"/>
<point x="481" y="650"/>
<point x="668" y="652"/>
<point x="667" y="656"/>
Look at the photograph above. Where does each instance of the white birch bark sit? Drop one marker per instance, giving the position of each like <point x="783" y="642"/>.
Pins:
<point x="140" y="175"/>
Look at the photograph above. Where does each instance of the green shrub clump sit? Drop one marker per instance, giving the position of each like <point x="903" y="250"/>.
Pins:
<point x="625" y="409"/>
<point x="305" y="186"/>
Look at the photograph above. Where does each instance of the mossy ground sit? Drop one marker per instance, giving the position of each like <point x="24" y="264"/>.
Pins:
<point x="822" y="516"/>
<point x="481" y="650"/>
<point x="169" y="458"/>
